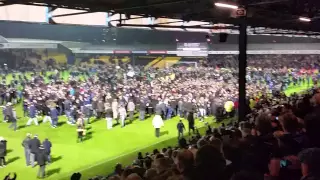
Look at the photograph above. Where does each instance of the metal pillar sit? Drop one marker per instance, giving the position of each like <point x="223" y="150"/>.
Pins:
<point x="133" y="61"/>
<point x="242" y="67"/>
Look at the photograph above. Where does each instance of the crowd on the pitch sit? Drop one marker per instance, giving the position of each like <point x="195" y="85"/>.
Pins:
<point x="118" y="92"/>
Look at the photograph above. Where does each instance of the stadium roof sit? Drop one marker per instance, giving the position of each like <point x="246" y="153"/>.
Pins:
<point x="278" y="14"/>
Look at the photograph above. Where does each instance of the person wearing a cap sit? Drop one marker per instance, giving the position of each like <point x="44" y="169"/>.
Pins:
<point x="47" y="146"/>
<point x="32" y="114"/>
<point x="25" y="145"/>
<point x="34" y="145"/>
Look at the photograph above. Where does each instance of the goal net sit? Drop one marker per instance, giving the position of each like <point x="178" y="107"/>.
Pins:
<point x="182" y="64"/>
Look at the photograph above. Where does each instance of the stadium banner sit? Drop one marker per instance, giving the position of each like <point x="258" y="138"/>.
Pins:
<point x="83" y="51"/>
<point x="157" y="52"/>
<point x="171" y="52"/>
<point x="187" y="53"/>
<point x="192" y="53"/>
<point x="192" y="46"/>
<point x="139" y="52"/>
<point x="121" y="52"/>
<point x="28" y="46"/>
<point x="192" y="49"/>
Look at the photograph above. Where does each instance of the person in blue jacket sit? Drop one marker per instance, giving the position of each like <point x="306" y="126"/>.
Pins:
<point x="5" y="117"/>
<point x="87" y="113"/>
<point x="54" y="116"/>
<point x="47" y="146"/>
<point x="32" y="114"/>
<point x="25" y="108"/>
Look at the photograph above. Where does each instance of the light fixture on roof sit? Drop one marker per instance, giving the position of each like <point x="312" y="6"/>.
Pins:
<point x="224" y="5"/>
<point x="304" y="19"/>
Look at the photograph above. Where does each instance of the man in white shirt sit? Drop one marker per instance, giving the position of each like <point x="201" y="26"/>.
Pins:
<point x="157" y="123"/>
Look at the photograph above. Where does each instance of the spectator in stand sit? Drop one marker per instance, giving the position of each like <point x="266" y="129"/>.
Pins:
<point x="291" y="140"/>
<point x="262" y="145"/>
<point x="310" y="164"/>
<point x="312" y="123"/>
<point x="117" y="170"/>
<point x="210" y="164"/>
<point x="185" y="163"/>
<point x="163" y="168"/>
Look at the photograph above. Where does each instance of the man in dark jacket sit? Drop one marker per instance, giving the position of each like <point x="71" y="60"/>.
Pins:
<point x="191" y="122"/>
<point x="143" y="107"/>
<point x="32" y="114"/>
<point x="47" y="146"/>
<point x="181" y="128"/>
<point x="67" y="109"/>
<point x="34" y="145"/>
<point x="87" y="113"/>
<point x="3" y="152"/>
<point x="42" y="158"/>
<point x="100" y="108"/>
<point x="25" y="145"/>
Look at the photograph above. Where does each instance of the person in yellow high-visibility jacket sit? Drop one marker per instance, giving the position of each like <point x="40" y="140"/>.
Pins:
<point x="252" y="104"/>
<point x="228" y="107"/>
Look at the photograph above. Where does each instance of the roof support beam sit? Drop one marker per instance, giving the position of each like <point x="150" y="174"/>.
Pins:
<point x="70" y="14"/>
<point x="126" y="19"/>
<point x="178" y="27"/>
<point x="267" y="2"/>
<point x="177" y="21"/>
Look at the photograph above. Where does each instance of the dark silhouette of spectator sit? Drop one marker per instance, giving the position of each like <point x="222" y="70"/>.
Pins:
<point x="310" y="163"/>
<point x="209" y="164"/>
